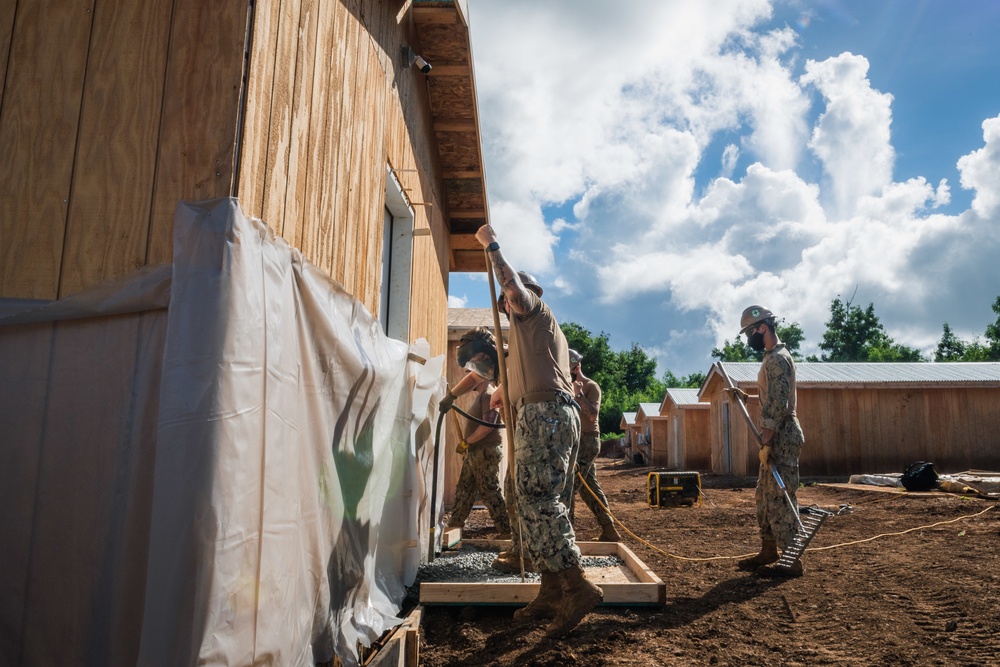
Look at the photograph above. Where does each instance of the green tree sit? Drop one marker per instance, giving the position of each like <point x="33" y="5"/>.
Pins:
<point x="693" y="381"/>
<point x="856" y="334"/>
<point x="993" y="333"/>
<point x="950" y="347"/>
<point x="627" y="378"/>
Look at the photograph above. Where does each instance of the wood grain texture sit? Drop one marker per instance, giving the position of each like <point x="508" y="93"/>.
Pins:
<point x="39" y="121"/>
<point x="109" y="211"/>
<point x="200" y="113"/>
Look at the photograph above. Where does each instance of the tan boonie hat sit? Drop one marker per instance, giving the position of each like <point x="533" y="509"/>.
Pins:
<point x="753" y="315"/>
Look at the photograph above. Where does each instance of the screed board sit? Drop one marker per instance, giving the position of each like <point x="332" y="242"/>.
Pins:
<point x="630" y="584"/>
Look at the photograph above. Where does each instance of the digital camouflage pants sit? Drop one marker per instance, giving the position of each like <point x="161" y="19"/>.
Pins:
<point x="510" y="496"/>
<point x="590" y="447"/>
<point x="774" y="516"/>
<point x="480" y="477"/>
<point x="545" y="445"/>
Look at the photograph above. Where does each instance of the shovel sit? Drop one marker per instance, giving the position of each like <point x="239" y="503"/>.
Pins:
<point x="809" y="526"/>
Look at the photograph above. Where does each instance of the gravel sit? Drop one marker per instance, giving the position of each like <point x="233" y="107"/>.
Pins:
<point x="472" y="565"/>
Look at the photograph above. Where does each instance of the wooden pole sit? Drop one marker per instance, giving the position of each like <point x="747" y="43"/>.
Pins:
<point x="507" y="420"/>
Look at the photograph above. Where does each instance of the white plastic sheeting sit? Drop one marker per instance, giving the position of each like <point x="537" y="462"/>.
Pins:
<point x="240" y="479"/>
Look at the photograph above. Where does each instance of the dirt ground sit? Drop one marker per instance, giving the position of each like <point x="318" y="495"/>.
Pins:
<point x="928" y="597"/>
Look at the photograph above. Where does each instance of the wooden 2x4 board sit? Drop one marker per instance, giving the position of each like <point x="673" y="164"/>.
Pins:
<point x="629" y="584"/>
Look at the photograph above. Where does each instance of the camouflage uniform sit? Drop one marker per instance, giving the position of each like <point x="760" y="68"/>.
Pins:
<point x="776" y="382"/>
<point x="589" y="448"/>
<point x="481" y="469"/>
<point x="544" y="444"/>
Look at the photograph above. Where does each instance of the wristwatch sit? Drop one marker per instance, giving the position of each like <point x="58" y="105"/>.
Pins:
<point x="493" y="247"/>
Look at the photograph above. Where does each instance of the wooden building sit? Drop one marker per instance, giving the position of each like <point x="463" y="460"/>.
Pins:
<point x="310" y="113"/>
<point x="869" y="417"/>
<point x="645" y="417"/>
<point x="682" y="435"/>
<point x="629" y="433"/>
<point x="317" y="118"/>
<point x="461" y="320"/>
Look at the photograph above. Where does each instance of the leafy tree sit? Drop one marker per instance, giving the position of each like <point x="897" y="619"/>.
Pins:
<point x="950" y="347"/>
<point x="953" y="348"/>
<point x="993" y="333"/>
<point x="627" y="378"/>
<point x="856" y="334"/>
<point x="693" y="381"/>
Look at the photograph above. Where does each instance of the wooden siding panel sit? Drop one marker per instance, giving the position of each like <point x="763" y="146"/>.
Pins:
<point x="7" y="10"/>
<point x="324" y="137"/>
<point x="352" y="129"/>
<point x="108" y="222"/>
<point x="259" y="99"/>
<point x="200" y="112"/>
<point x="697" y="449"/>
<point x="298" y="156"/>
<point x="279" y="138"/>
<point x="43" y="89"/>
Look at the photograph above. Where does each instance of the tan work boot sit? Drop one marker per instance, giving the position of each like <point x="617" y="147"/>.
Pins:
<point x="510" y="563"/>
<point x="773" y="571"/>
<point x="609" y="534"/>
<point x="580" y="596"/>
<point x="768" y="554"/>
<point x="545" y="603"/>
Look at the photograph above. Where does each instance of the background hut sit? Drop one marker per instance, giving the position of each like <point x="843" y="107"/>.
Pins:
<point x="685" y="443"/>
<point x="870" y="417"/>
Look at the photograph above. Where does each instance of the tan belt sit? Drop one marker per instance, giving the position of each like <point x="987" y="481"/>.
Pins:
<point x="545" y="397"/>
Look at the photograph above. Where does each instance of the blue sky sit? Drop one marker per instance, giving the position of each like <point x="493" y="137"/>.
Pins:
<point x="661" y="164"/>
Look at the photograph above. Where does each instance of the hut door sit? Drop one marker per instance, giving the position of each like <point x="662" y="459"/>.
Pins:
<point x="675" y="454"/>
<point x="726" y="445"/>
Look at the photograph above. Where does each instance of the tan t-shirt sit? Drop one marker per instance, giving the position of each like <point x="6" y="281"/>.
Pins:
<point x="480" y="409"/>
<point x="588" y="419"/>
<point x="539" y="352"/>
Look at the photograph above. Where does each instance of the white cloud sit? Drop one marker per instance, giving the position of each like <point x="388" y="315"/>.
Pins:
<point x="457" y="301"/>
<point x="709" y="169"/>
<point x="851" y="138"/>
<point x="981" y="170"/>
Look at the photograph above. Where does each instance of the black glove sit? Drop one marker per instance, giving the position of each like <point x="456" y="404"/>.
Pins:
<point x="447" y="402"/>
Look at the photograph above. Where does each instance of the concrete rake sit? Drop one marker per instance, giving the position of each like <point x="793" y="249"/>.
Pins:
<point x="809" y="526"/>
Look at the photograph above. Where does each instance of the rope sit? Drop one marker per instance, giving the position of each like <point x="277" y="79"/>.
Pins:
<point x="710" y="558"/>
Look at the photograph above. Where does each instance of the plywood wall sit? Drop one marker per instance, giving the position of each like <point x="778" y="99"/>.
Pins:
<point x="111" y="113"/>
<point x="328" y="107"/>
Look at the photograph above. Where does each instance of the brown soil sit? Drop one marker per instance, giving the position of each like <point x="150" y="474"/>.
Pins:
<point x="928" y="597"/>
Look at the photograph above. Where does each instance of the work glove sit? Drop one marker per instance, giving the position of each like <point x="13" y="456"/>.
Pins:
<point x="461" y="447"/>
<point x="739" y="393"/>
<point x="447" y="402"/>
<point x="764" y="454"/>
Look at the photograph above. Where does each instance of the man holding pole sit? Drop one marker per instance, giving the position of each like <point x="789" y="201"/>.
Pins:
<point x="781" y="441"/>
<point x="540" y="392"/>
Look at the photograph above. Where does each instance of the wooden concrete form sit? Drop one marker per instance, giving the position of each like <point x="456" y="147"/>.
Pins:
<point x="401" y="648"/>
<point x="631" y="584"/>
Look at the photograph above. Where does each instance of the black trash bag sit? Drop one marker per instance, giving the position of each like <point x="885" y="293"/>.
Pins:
<point x="919" y="476"/>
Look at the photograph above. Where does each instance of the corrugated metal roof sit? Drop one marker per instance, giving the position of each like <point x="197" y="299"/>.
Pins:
<point x="807" y="373"/>
<point x="650" y="409"/>
<point x="683" y="396"/>
<point x="629" y="417"/>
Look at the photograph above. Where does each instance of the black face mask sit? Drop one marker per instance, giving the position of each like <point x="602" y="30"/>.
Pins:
<point x="756" y="341"/>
